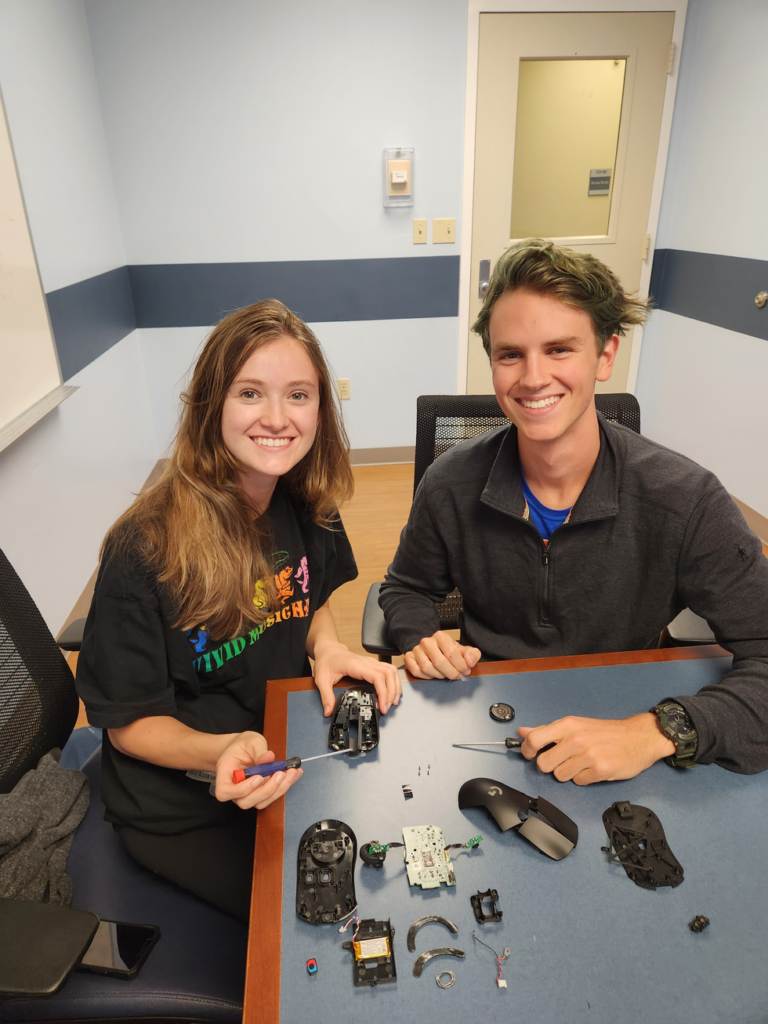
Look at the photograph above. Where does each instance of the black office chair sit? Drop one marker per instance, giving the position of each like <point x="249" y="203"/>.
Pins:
<point x="38" y="702"/>
<point x="443" y="421"/>
<point x="196" y="972"/>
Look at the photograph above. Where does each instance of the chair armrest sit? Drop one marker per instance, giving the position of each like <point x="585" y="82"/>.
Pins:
<point x="71" y="638"/>
<point x="375" y="634"/>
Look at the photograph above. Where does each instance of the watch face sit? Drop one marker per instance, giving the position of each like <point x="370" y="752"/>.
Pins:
<point x="678" y="720"/>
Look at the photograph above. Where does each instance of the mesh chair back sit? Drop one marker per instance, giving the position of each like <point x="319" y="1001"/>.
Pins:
<point x="444" y="420"/>
<point x="38" y="702"/>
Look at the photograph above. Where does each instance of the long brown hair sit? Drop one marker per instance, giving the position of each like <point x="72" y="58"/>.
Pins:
<point x="194" y="528"/>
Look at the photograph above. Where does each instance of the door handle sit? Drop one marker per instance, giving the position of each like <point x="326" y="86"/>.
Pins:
<point x="485" y="278"/>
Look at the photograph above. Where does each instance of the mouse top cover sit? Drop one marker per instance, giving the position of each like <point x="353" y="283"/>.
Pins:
<point x="535" y="818"/>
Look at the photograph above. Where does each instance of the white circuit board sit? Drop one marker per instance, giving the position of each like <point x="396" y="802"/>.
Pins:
<point x="426" y="859"/>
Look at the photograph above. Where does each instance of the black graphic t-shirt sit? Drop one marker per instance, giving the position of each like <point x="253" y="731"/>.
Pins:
<point x="135" y="664"/>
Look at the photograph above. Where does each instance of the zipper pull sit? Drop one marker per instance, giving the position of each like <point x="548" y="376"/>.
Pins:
<point x="545" y="557"/>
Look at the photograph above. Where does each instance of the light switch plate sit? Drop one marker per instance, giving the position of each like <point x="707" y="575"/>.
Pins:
<point x="444" y="229"/>
<point x="420" y="231"/>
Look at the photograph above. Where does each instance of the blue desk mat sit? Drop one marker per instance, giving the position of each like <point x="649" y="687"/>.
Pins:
<point x="587" y="943"/>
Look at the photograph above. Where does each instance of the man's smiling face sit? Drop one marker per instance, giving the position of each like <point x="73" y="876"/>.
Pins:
<point x="545" y="363"/>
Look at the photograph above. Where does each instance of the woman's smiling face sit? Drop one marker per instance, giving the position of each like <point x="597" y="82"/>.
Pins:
<point x="271" y="414"/>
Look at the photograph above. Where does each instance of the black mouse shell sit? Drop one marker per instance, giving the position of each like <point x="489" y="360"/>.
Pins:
<point x="538" y="820"/>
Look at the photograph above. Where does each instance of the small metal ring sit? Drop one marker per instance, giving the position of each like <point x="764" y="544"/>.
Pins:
<point x="447" y="984"/>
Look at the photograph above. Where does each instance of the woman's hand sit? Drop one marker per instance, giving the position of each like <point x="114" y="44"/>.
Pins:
<point x="333" y="661"/>
<point x="246" y="749"/>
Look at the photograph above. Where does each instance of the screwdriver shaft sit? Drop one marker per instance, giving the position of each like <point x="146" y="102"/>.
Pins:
<point x="510" y="743"/>
<point x="333" y="753"/>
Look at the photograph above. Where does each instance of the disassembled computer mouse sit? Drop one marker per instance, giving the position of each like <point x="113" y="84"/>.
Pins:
<point x="325" y="877"/>
<point x="373" y="948"/>
<point x="355" y="722"/>
<point x="536" y="819"/>
<point x="640" y="846"/>
<point x="411" y="943"/>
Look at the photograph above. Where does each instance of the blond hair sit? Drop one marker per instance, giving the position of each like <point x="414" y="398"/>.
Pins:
<point x="194" y="528"/>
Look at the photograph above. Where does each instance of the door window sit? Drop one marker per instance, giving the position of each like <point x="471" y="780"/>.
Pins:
<point x="567" y="135"/>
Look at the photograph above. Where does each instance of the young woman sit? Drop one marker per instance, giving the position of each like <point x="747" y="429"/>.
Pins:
<point x="215" y="580"/>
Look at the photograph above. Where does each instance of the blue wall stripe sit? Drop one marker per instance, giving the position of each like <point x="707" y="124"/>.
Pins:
<point x="199" y="294"/>
<point x="93" y="315"/>
<point x="90" y="317"/>
<point x="719" y="290"/>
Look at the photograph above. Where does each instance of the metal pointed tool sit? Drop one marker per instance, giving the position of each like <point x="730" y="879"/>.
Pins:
<point x="333" y="753"/>
<point x="511" y="743"/>
<point x="265" y="770"/>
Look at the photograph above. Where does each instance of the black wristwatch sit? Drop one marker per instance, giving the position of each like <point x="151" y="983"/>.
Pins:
<point x="678" y="727"/>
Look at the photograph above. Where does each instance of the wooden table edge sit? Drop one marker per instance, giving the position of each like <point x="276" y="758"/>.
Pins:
<point x="261" y="1004"/>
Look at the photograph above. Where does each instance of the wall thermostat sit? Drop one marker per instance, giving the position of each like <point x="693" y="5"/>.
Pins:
<point x="398" y="176"/>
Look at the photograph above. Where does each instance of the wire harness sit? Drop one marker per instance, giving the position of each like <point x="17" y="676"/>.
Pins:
<point x="501" y="982"/>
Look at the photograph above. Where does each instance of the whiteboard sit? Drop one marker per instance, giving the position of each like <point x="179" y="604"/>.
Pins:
<point x="30" y="378"/>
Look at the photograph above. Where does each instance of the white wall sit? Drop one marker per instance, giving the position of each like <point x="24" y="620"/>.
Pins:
<point x="46" y="74"/>
<point x="390" y="363"/>
<point x="714" y="191"/>
<point x="68" y="478"/>
<point x="702" y="388"/>
<point x="244" y="130"/>
<point x="64" y="481"/>
<point x="249" y="131"/>
<point x="707" y="400"/>
<point x="369" y="352"/>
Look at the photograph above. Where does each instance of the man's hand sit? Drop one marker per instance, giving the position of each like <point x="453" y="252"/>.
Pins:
<point x="246" y="749"/>
<point x="590" y="750"/>
<point x="440" y="657"/>
<point x="333" y="661"/>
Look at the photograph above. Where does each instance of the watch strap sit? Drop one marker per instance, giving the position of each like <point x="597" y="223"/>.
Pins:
<point x="686" y="744"/>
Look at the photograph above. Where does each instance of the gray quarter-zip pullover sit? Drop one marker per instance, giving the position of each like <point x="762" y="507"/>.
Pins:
<point x="651" y="533"/>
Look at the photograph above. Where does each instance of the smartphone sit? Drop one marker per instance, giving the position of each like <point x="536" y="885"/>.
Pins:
<point x="119" y="949"/>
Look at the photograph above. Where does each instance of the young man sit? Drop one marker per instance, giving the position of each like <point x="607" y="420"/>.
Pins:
<point x="567" y="534"/>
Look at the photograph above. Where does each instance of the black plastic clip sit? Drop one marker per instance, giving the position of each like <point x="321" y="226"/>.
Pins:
<point x="494" y="914"/>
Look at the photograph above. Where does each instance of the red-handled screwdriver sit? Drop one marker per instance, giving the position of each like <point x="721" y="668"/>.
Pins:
<point x="265" y="770"/>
